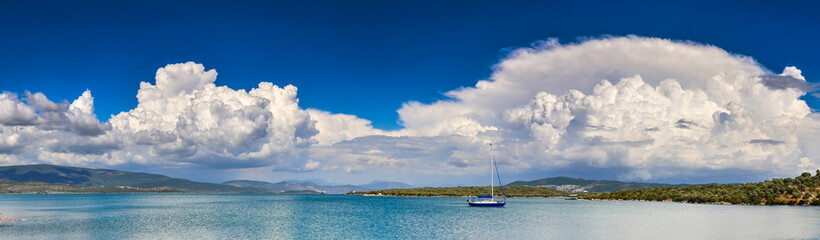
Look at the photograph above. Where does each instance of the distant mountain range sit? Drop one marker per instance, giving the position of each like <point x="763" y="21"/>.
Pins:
<point x="292" y="185"/>
<point x="580" y="185"/>
<point x="381" y="185"/>
<point x="142" y="182"/>
<point x="274" y="187"/>
<point x="28" y="178"/>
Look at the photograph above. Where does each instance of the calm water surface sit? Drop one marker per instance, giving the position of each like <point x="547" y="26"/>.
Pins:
<point x="203" y="216"/>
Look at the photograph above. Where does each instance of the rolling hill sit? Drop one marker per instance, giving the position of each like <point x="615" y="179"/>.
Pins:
<point x="113" y="178"/>
<point x="8" y="186"/>
<point x="580" y="185"/>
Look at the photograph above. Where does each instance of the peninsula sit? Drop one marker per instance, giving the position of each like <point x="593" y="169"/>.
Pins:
<point x="802" y="191"/>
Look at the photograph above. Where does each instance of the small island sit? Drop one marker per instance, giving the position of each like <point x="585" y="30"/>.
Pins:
<point x="510" y="191"/>
<point x="6" y="219"/>
<point x="801" y="191"/>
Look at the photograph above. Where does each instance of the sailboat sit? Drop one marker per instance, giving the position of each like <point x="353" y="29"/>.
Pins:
<point x="490" y="200"/>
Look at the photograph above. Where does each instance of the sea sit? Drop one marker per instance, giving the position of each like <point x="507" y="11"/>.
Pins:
<point x="271" y="216"/>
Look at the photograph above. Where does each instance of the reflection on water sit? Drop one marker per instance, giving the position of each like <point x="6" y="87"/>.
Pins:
<point x="204" y="216"/>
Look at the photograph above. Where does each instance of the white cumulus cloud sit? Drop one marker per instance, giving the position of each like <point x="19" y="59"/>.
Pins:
<point x="14" y="112"/>
<point x="186" y="118"/>
<point x="624" y="107"/>
<point x="642" y="107"/>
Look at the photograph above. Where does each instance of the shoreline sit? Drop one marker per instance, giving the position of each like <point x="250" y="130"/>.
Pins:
<point x="607" y="200"/>
<point x="706" y="203"/>
<point x="46" y="193"/>
<point x="668" y="201"/>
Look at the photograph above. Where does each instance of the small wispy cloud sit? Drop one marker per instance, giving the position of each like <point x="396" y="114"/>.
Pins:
<point x="779" y="82"/>
<point x="766" y="141"/>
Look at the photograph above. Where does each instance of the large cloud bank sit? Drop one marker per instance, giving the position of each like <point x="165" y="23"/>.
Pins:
<point x="632" y="107"/>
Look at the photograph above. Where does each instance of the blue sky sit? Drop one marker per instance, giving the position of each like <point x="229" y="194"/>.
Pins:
<point x="437" y="79"/>
<point x="363" y="57"/>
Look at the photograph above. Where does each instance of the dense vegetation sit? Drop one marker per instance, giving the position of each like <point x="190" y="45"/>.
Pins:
<point x="802" y="190"/>
<point x="578" y="184"/>
<point x="510" y="191"/>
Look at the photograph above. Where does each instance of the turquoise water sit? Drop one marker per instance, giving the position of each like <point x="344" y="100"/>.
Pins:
<point x="219" y="216"/>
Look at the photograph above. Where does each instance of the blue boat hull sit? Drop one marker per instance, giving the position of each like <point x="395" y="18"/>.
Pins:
<point x="479" y="204"/>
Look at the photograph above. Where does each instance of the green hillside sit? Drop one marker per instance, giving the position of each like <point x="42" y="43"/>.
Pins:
<point x="579" y="185"/>
<point x="802" y="190"/>
<point x="7" y="186"/>
<point x="510" y="191"/>
<point x="112" y="178"/>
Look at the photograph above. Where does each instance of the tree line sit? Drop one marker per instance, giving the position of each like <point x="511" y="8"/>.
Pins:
<point x="802" y="190"/>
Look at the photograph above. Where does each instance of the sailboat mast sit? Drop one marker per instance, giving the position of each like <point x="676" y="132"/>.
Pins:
<point x="492" y="178"/>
